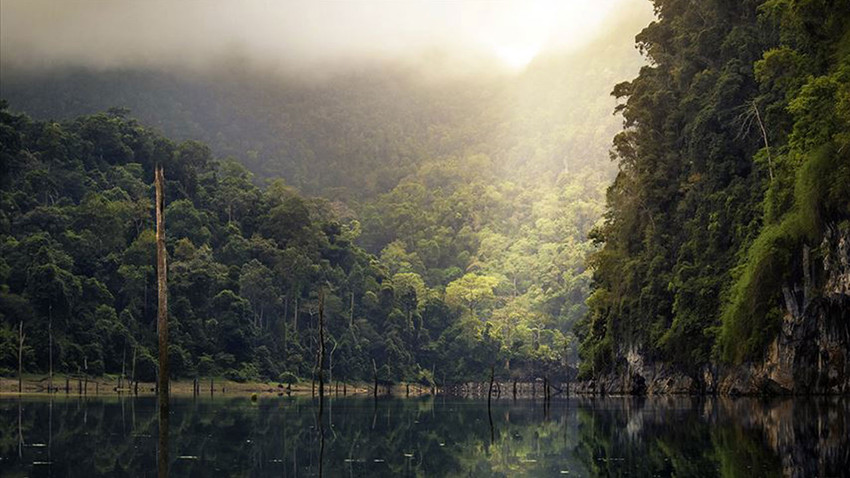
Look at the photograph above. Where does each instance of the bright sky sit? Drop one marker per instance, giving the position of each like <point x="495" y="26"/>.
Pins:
<point x="301" y="34"/>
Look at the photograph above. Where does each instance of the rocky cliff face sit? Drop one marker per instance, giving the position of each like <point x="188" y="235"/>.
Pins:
<point x="810" y="355"/>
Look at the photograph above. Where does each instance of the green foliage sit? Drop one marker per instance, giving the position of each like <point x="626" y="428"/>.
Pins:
<point x="732" y="161"/>
<point x="245" y="264"/>
<point x="471" y="292"/>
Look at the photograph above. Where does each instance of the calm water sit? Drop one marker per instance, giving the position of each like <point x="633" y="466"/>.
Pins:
<point x="231" y="436"/>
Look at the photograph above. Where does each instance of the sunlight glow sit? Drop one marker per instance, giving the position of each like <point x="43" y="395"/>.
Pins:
<point x="519" y="31"/>
<point x="516" y="57"/>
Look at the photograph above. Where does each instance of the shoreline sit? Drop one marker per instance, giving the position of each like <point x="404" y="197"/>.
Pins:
<point x="107" y="385"/>
<point x="37" y="384"/>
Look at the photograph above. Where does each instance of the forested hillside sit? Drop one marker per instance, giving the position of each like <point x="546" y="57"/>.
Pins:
<point x="246" y="267"/>
<point x="728" y="221"/>
<point x="471" y="198"/>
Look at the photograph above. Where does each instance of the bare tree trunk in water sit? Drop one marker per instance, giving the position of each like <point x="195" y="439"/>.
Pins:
<point x="123" y="367"/>
<point x="162" y="324"/>
<point x="375" y="371"/>
<point x="321" y="424"/>
<point x="133" y="380"/>
<point x="50" y="348"/>
<point x="321" y="343"/>
<point x="331" y="365"/>
<point x="489" y="395"/>
<point x="490" y="390"/>
<point x="21" y="338"/>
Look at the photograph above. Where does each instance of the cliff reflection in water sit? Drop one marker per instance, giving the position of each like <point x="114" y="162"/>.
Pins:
<point x="427" y="437"/>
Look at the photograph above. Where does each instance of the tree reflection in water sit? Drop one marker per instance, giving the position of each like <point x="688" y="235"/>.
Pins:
<point x="225" y="436"/>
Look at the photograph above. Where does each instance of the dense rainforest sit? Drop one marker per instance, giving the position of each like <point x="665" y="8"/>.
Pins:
<point x="728" y="222"/>
<point x="453" y="237"/>
<point x="247" y="265"/>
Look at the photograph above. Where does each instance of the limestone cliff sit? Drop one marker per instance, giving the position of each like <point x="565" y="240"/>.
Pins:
<point x="810" y="354"/>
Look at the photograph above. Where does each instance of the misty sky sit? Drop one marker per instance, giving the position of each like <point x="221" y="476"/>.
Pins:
<point x="297" y="35"/>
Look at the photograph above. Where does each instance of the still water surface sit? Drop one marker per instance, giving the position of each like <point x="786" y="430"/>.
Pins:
<point x="279" y="436"/>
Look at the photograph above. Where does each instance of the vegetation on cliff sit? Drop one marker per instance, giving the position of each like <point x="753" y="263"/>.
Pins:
<point x="735" y="157"/>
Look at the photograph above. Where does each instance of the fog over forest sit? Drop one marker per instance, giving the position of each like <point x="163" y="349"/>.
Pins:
<point x="303" y="37"/>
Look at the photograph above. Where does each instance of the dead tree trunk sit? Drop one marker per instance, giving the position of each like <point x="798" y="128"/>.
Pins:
<point x="162" y="284"/>
<point x="489" y="412"/>
<point x="50" y="348"/>
<point x="123" y="368"/>
<point x="764" y="136"/>
<point x="331" y="365"/>
<point x="490" y="390"/>
<point x="162" y="323"/>
<point x="321" y="343"/>
<point x="21" y="338"/>
<point x="134" y="381"/>
<point x="375" y="372"/>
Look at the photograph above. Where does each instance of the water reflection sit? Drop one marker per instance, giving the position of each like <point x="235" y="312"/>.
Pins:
<point x="163" y="433"/>
<point x="223" y="436"/>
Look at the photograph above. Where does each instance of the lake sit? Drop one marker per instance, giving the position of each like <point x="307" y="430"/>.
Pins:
<point x="426" y="436"/>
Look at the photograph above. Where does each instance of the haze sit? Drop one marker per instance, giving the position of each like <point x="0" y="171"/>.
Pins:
<point x="462" y="36"/>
